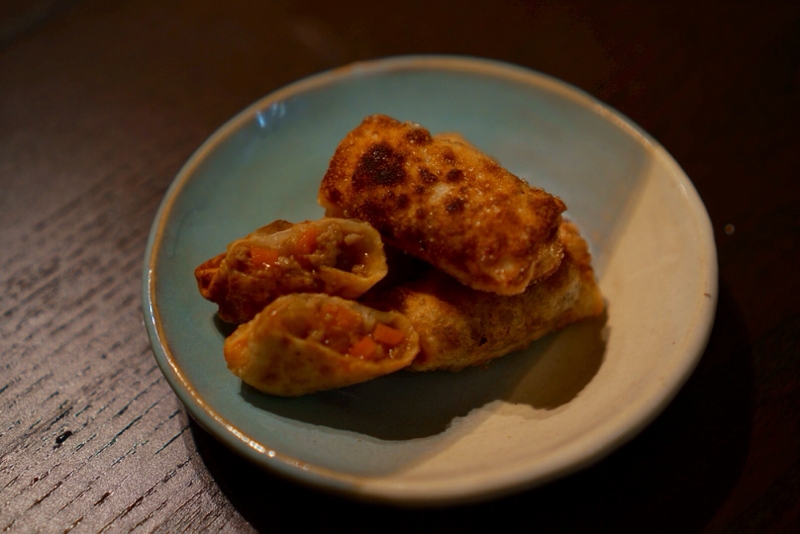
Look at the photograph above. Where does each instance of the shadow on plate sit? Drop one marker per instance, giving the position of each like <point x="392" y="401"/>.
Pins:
<point x="406" y="405"/>
<point x="675" y="475"/>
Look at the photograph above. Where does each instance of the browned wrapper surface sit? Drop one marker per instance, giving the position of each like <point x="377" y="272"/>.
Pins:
<point x="460" y="327"/>
<point x="446" y="203"/>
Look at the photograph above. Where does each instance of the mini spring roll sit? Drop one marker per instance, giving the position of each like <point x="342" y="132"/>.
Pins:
<point x="334" y="256"/>
<point x="460" y="327"/>
<point x="303" y="343"/>
<point x="445" y="202"/>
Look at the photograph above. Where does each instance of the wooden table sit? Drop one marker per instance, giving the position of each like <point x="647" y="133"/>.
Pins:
<point x="102" y="101"/>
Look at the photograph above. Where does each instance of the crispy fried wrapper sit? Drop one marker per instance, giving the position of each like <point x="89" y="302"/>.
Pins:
<point x="334" y="256"/>
<point x="303" y="343"/>
<point x="460" y="327"/>
<point x="445" y="202"/>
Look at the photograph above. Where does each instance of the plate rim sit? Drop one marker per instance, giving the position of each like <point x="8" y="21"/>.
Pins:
<point x="378" y="488"/>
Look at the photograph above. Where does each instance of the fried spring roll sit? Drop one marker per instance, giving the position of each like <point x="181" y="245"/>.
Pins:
<point x="334" y="256"/>
<point x="445" y="202"/>
<point x="302" y="343"/>
<point x="460" y="327"/>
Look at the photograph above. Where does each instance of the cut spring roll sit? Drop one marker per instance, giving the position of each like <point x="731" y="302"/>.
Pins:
<point x="303" y="343"/>
<point x="445" y="202"/>
<point x="334" y="256"/>
<point x="460" y="327"/>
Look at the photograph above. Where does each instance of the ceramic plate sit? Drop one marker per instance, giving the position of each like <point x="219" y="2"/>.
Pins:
<point x="438" y="438"/>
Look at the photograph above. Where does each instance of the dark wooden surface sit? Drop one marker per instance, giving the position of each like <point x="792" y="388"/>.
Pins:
<point x="101" y="101"/>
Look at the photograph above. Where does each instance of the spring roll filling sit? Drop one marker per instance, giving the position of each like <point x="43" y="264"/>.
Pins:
<point x="344" y="331"/>
<point x="303" y="248"/>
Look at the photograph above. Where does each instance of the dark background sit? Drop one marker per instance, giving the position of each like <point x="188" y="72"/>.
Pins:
<point x="101" y="102"/>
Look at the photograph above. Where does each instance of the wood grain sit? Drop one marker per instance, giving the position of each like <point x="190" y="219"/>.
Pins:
<point x="102" y="101"/>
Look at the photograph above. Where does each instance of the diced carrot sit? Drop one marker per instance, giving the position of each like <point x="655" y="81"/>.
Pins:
<point x="387" y="335"/>
<point x="342" y="317"/>
<point x="330" y="308"/>
<point x="364" y="348"/>
<point x="263" y="255"/>
<point x="306" y="242"/>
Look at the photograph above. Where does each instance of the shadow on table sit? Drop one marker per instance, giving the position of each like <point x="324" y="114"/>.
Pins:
<point x="671" y="478"/>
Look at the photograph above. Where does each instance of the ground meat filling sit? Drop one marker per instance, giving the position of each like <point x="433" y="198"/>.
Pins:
<point x="306" y="248"/>
<point x="343" y="330"/>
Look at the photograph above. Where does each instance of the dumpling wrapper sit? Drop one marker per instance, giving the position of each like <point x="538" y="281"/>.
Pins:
<point x="334" y="256"/>
<point x="445" y="202"/>
<point x="460" y="327"/>
<point x="302" y="343"/>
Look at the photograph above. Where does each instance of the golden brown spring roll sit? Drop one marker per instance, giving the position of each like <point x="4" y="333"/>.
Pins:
<point x="446" y="203"/>
<point x="302" y="343"/>
<point x="334" y="256"/>
<point x="460" y="327"/>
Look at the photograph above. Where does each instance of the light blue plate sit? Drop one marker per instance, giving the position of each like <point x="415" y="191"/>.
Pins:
<point x="436" y="438"/>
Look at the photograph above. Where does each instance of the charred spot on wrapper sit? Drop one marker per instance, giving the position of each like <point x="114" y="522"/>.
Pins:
<point x="455" y="205"/>
<point x="426" y="176"/>
<point x="419" y="136"/>
<point x="455" y="175"/>
<point x="379" y="166"/>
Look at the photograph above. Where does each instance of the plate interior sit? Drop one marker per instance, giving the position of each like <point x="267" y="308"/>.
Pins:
<point x="443" y="437"/>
